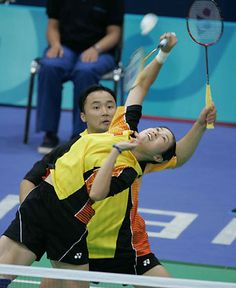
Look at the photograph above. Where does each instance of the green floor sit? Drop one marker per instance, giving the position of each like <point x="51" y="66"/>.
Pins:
<point x="201" y="272"/>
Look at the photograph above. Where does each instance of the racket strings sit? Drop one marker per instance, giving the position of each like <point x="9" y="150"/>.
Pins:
<point x="205" y="24"/>
<point x="134" y="68"/>
<point x="141" y="75"/>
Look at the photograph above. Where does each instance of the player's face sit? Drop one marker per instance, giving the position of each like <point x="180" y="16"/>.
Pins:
<point x="155" y="141"/>
<point x="99" y="109"/>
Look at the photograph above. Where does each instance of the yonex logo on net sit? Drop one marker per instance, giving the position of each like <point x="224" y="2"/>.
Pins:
<point x="78" y="255"/>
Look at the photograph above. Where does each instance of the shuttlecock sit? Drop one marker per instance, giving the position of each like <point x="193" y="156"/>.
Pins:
<point x="148" y="22"/>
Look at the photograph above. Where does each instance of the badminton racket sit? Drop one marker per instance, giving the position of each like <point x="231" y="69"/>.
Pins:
<point x="136" y="65"/>
<point x="205" y="27"/>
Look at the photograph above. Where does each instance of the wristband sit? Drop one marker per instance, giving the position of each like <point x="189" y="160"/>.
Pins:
<point x="117" y="148"/>
<point x="162" y="56"/>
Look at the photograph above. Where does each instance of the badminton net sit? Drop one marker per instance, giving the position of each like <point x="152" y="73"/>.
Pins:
<point x="32" y="277"/>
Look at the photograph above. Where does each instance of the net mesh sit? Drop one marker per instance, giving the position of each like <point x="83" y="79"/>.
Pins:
<point x="25" y="276"/>
<point x="205" y="24"/>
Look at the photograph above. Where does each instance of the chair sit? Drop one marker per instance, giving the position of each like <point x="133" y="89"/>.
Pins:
<point x="115" y="75"/>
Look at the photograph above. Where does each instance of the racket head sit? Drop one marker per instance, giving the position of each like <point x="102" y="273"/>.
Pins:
<point x="133" y="69"/>
<point x="204" y="22"/>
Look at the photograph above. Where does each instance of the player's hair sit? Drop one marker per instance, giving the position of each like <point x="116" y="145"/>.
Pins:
<point x="89" y="90"/>
<point x="170" y="152"/>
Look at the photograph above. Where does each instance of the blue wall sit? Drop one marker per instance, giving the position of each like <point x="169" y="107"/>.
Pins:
<point x="180" y="89"/>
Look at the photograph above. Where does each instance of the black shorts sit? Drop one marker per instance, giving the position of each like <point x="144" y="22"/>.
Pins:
<point x="125" y="266"/>
<point x="43" y="223"/>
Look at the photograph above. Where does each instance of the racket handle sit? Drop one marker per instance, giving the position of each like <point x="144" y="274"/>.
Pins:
<point x="164" y="41"/>
<point x="208" y="103"/>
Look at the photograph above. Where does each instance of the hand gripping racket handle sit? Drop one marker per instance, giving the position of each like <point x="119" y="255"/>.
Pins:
<point x="163" y="43"/>
<point x="208" y="103"/>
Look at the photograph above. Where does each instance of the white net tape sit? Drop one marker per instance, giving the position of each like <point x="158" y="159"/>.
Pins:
<point x="65" y="274"/>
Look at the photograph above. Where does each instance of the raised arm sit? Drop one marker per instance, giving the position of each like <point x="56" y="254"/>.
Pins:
<point x="150" y="72"/>
<point x="186" y="146"/>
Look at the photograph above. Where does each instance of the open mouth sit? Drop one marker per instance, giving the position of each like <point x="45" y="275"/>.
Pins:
<point x="106" y="122"/>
